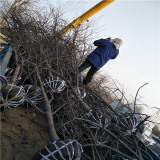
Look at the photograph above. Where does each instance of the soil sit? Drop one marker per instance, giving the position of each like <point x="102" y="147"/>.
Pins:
<point x="23" y="133"/>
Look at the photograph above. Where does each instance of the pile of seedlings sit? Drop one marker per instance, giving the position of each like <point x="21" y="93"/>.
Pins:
<point x="82" y="124"/>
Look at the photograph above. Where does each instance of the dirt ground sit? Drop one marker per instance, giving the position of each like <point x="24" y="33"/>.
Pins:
<point x="23" y="133"/>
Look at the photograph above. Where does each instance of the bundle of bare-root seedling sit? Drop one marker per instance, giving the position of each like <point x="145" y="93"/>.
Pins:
<point x="85" y="125"/>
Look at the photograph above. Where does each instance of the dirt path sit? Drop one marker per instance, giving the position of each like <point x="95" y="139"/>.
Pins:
<point x="23" y="133"/>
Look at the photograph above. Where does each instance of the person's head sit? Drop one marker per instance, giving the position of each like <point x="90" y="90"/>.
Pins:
<point x="117" y="42"/>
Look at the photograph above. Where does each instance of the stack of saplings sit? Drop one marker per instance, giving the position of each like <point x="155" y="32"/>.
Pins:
<point x="82" y="118"/>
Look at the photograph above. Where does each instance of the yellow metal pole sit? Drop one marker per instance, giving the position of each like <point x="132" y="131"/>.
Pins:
<point x="75" y="23"/>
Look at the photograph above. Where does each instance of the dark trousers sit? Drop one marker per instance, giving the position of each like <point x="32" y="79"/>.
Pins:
<point x="86" y="64"/>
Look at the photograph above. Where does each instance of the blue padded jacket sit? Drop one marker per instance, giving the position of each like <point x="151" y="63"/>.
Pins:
<point x="103" y="53"/>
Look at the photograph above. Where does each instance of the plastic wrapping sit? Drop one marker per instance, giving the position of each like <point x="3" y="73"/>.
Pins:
<point x="54" y="84"/>
<point x="12" y="96"/>
<point x="33" y="94"/>
<point x="103" y="120"/>
<point x="129" y="123"/>
<point x="66" y="150"/>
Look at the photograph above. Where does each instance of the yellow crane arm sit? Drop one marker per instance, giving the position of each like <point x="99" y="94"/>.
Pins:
<point x="75" y="23"/>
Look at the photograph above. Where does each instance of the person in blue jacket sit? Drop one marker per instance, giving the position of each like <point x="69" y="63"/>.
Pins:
<point x="106" y="49"/>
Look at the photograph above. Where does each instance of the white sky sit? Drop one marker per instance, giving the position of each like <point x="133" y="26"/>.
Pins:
<point x="137" y="23"/>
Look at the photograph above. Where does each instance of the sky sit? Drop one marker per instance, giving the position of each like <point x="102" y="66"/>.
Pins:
<point x="137" y="23"/>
